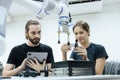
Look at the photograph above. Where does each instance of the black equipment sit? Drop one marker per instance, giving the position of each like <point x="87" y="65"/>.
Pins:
<point x="73" y="68"/>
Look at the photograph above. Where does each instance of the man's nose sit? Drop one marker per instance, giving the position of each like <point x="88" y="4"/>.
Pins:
<point x="37" y="35"/>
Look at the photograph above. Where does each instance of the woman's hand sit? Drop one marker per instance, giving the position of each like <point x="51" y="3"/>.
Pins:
<point x="82" y="52"/>
<point x="65" y="48"/>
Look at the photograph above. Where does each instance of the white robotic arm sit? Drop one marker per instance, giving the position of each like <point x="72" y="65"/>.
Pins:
<point x="61" y="9"/>
<point x="4" y="7"/>
<point x="46" y="7"/>
<point x="41" y="8"/>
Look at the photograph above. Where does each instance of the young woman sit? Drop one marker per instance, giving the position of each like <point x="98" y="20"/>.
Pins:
<point x="87" y="50"/>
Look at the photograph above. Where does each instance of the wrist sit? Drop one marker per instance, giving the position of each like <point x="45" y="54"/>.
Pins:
<point x="64" y="53"/>
<point x="87" y="59"/>
<point x="64" y="56"/>
<point x="40" y="70"/>
<point x="20" y="68"/>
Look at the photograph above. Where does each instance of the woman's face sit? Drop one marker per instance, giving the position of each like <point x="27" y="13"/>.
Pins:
<point x="80" y="34"/>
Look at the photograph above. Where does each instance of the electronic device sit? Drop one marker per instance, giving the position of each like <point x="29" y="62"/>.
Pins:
<point x="40" y="56"/>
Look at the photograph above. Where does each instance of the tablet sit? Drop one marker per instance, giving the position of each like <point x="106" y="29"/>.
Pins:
<point x="40" y="56"/>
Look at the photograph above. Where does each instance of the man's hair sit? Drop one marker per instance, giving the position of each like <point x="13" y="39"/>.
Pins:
<point x="30" y="22"/>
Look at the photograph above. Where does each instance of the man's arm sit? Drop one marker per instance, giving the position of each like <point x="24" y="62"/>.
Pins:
<point x="10" y="71"/>
<point x="49" y="66"/>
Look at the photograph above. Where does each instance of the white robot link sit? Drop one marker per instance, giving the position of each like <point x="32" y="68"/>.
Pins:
<point x="41" y="8"/>
<point x="4" y="7"/>
<point x="61" y="9"/>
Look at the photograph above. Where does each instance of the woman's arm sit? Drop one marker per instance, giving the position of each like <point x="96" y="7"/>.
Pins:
<point x="64" y="49"/>
<point x="99" y="66"/>
<point x="64" y="56"/>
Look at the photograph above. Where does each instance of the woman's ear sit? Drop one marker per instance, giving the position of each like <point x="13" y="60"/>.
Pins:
<point x="89" y="34"/>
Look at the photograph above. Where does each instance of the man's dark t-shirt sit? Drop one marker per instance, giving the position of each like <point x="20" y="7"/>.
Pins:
<point x="19" y="53"/>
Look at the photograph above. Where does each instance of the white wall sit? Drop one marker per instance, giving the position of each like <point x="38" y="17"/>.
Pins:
<point x="104" y="30"/>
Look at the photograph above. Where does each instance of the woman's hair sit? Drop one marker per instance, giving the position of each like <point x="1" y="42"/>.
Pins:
<point x="30" y="22"/>
<point x="83" y="25"/>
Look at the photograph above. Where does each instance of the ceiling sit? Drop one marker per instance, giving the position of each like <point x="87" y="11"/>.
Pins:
<point x="18" y="10"/>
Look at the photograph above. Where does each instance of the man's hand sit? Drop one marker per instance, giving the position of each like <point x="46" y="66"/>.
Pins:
<point x="22" y="66"/>
<point x="36" y="65"/>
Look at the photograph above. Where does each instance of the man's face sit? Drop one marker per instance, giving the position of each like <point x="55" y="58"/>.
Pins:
<point x="34" y="34"/>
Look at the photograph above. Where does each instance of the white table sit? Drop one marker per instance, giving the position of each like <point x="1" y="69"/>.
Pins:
<point x="92" y="77"/>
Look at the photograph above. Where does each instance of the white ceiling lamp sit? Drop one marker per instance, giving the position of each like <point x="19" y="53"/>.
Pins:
<point x="87" y="6"/>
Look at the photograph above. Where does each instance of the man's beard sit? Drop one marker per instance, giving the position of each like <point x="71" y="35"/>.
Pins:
<point x="34" y="40"/>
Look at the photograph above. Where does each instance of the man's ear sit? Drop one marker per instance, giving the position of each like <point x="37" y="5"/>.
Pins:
<point x="26" y="34"/>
